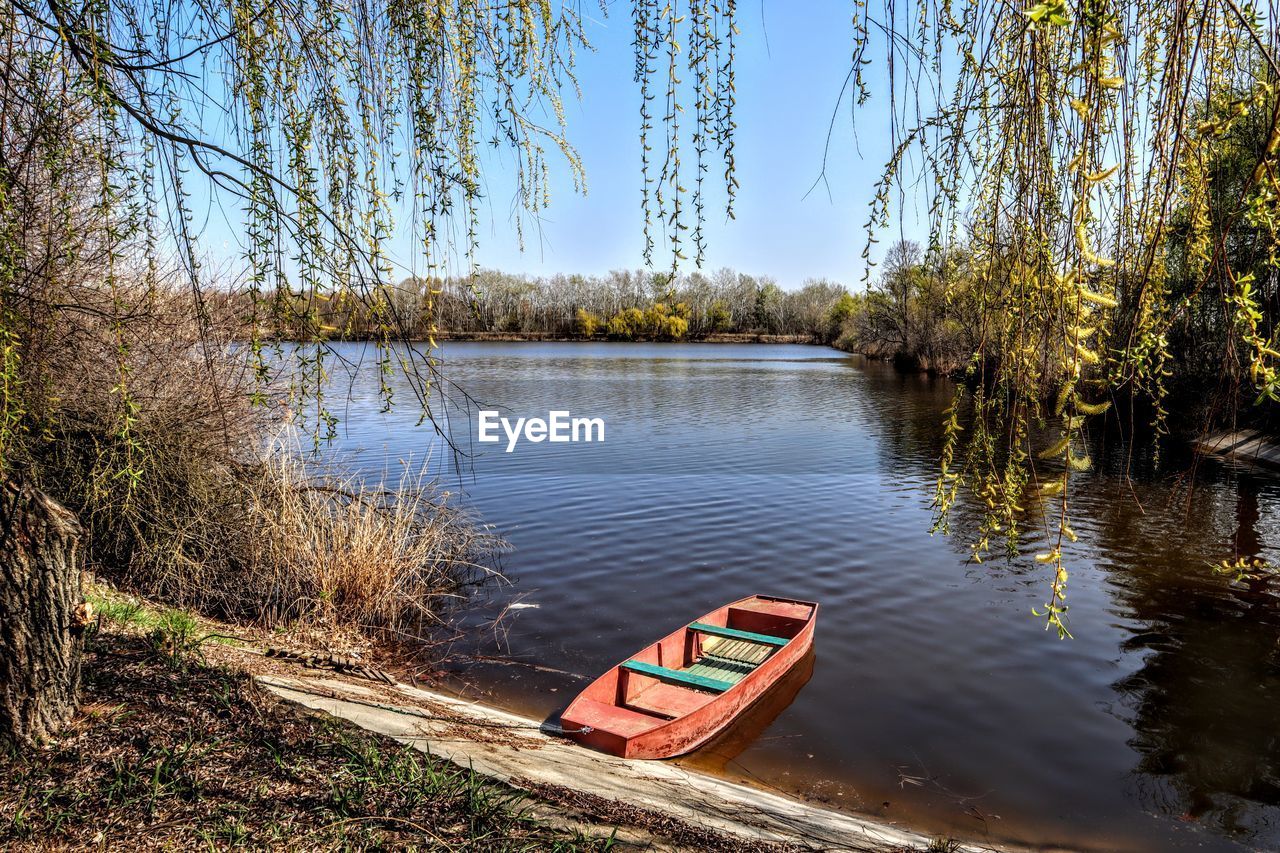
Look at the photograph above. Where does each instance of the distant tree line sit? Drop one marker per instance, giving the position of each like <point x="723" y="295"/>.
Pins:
<point x="927" y="311"/>
<point x="627" y="305"/>
<point x="920" y="312"/>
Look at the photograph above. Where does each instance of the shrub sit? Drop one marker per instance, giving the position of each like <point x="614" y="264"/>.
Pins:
<point x="718" y="317"/>
<point x="586" y="323"/>
<point x="666" y="324"/>
<point x="840" y="314"/>
<point x="334" y="550"/>
<point x="674" y="328"/>
<point x="627" y="324"/>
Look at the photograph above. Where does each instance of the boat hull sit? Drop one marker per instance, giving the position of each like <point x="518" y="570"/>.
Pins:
<point x="604" y="716"/>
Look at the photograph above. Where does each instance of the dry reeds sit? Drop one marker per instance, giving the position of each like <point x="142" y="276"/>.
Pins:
<point x="333" y="549"/>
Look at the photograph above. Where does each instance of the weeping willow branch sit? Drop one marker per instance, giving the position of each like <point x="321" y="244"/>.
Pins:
<point x="1109" y="171"/>
<point x="327" y="126"/>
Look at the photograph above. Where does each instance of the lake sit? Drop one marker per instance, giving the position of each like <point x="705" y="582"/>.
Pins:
<point x="936" y="698"/>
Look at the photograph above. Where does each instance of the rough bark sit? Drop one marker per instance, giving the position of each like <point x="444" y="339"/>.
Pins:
<point x="42" y="614"/>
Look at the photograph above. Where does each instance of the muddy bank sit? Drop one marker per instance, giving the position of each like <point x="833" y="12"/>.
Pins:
<point x="527" y="754"/>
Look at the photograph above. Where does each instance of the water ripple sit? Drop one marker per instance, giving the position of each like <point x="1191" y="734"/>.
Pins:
<point x="730" y="470"/>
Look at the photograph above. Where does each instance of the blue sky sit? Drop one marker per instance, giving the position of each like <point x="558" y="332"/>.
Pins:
<point x="791" y="66"/>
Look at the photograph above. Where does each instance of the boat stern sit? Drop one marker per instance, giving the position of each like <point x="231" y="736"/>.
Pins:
<point x="605" y="727"/>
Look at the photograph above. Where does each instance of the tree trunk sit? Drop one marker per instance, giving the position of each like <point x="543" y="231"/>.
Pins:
<point x="42" y="614"/>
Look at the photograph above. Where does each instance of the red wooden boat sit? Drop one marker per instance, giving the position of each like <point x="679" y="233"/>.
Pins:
<point x="681" y="691"/>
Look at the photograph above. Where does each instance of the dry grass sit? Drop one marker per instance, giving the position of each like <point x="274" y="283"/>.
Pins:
<point x="331" y="549"/>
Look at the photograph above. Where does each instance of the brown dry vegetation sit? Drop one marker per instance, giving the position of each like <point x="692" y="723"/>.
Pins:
<point x="388" y="560"/>
<point x="197" y="493"/>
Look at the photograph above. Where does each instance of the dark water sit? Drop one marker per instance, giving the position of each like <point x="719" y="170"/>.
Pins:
<point x="935" y="697"/>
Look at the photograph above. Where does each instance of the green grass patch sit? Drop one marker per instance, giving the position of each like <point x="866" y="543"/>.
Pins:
<point x="177" y="635"/>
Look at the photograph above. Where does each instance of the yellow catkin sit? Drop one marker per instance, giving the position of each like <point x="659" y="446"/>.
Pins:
<point x="1056" y="449"/>
<point x="1097" y="298"/>
<point x="1096" y="177"/>
<point x="1092" y="408"/>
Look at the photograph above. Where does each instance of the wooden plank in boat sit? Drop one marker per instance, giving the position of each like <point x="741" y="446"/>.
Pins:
<point x="678" y="676"/>
<point x="734" y="633"/>
<point x="739" y="650"/>
<point x="723" y="669"/>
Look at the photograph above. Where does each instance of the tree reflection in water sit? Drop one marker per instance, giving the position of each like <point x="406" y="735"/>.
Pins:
<point x="1205" y="702"/>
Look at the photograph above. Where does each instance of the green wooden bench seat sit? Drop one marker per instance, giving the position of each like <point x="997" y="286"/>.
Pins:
<point x="675" y="676"/>
<point x="734" y="633"/>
